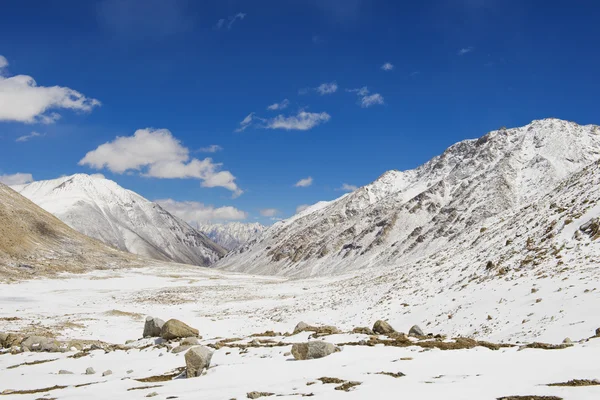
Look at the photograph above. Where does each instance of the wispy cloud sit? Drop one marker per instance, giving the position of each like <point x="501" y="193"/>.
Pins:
<point x="387" y="66"/>
<point x="269" y="212"/>
<point x="306" y="182"/>
<point x="327" y="88"/>
<point x="279" y="106"/>
<point x="156" y="153"/>
<point x="465" y="50"/>
<point x="213" y="148"/>
<point x="367" y="100"/>
<point x="371" y="100"/>
<point x="3" y="62"/>
<point x="246" y="123"/>
<point x="22" y="100"/>
<point x="302" y="121"/>
<point x="32" y="135"/>
<point x="230" y="20"/>
<point x="347" y="188"/>
<point x="16" y="179"/>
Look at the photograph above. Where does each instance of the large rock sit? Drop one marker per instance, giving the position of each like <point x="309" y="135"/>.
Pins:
<point x="11" y="340"/>
<point x="318" y="330"/>
<point x="383" y="328"/>
<point x="196" y="360"/>
<point x="153" y="327"/>
<point x="311" y="350"/>
<point x="416" y="331"/>
<point x="41" y="343"/>
<point x="301" y="327"/>
<point x="175" y="329"/>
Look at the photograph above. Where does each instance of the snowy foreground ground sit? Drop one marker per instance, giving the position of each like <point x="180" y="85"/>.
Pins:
<point x="111" y="306"/>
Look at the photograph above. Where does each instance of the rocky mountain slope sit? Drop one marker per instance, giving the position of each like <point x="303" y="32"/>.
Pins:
<point x="405" y="216"/>
<point x="101" y="209"/>
<point x="233" y="234"/>
<point x="34" y="242"/>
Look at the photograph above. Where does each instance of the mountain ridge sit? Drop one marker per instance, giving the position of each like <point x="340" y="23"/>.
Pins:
<point x="121" y="218"/>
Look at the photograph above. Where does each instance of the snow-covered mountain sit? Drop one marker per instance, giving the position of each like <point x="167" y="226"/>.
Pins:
<point x="407" y="215"/>
<point x="233" y="234"/>
<point x="35" y="243"/>
<point x="103" y="210"/>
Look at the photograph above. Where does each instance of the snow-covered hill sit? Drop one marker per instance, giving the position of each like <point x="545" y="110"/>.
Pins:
<point x="34" y="243"/>
<point x="404" y="216"/>
<point x="233" y="234"/>
<point x="121" y="218"/>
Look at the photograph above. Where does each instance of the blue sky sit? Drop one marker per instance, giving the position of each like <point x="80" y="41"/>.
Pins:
<point x="185" y="81"/>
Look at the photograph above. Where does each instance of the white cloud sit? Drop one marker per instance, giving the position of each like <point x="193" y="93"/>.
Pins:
<point x="213" y="148"/>
<point x="230" y="20"/>
<point x="302" y="121"/>
<point x="306" y="182"/>
<point x="22" y="100"/>
<point x="347" y="188"/>
<point x="269" y="212"/>
<point x="3" y="62"/>
<point x="363" y="91"/>
<point x="279" y="106"/>
<point x="246" y="122"/>
<point x="32" y="135"/>
<point x="16" y="179"/>
<point x="465" y="50"/>
<point x="157" y="154"/>
<point x="301" y="208"/>
<point x="192" y="211"/>
<point x="368" y="101"/>
<point x="327" y="88"/>
<point x="387" y="66"/>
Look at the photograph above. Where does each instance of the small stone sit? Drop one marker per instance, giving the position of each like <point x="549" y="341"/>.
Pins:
<point x="64" y="372"/>
<point x="107" y="372"/>
<point x="598" y="332"/>
<point x="175" y="329"/>
<point x="567" y="341"/>
<point x="312" y="350"/>
<point x="196" y="360"/>
<point x="153" y="327"/>
<point x="190" y="341"/>
<point x="90" y="371"/>
<point x="287" y="354"/>
<point x="363" y="330"/>
<point x="383" y="328"/>
<point x="301" y="327"/>
<point x="416" y="331"/>
<point x="130" y="371"/>
<point x="152" y="394"/>
<point x="256" y="395"/>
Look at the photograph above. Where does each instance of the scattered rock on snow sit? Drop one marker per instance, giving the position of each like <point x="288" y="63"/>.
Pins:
<point x="180" y="349"/>
<point x="318" y="330"/>
<point x="107" y="372"/>
<point x="175" y="329"/>
<point x="363" y="330"/>
<point x="153" y="326"/>
<point x="64" y="372"/>
<point x="196" y="360"/>
<point x="90" y="371"/>
<point x="190" y="341"/>
<point x="416" y="331"/>
<point x="256" y="395"/>
<point x="311" y="350"/>
<point x="153" y="394"/>
<point x="567" y="341"/>
<point x="383" y="328"/>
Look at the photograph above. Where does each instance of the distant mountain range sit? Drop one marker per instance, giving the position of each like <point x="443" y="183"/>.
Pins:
<point x="233" y="234"/>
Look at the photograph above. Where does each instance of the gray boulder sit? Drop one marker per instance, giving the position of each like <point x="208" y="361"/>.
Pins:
<point x="301" y="327"/>
<point x="64" y="372"/>
<point x="107" y="372"/>
<point x="3" y="337"/>
<point x="90" y="371"/>
<point x="312" y="350"/>
<point x="416" y="331"/>
<point x="41" y="343"/>
<point x="175" y="329"/>
<point x="180" y="349"/>
<point x="153" y="327"/>
<point x="196" y="360"/>
<point x="383" y="328"/>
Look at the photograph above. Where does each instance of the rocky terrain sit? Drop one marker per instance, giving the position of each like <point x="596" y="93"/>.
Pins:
<point x="35" y="243"/>
<point x="101" y="209"/>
